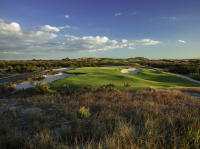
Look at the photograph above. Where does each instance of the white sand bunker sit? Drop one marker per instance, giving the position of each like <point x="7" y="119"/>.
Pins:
<point x="130" y="70"/>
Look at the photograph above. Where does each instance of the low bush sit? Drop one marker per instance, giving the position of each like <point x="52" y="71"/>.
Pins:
<point x="84" y="112"/>
<point x="195" y="76"/>
<point x="127" y="85"/>
<point x="6" y="89"/>
<point x="38" y="78"/>
<point x="41" y="87"/>
<point x="107" y="87"/>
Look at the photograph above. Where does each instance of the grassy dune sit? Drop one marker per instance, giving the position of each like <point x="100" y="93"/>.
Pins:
<point x="97" y="76"/>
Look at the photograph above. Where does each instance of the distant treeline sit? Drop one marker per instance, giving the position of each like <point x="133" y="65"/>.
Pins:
<point x="30" y="66"/>
<point x="187" y="67"/>
<point x="37" y="65"/>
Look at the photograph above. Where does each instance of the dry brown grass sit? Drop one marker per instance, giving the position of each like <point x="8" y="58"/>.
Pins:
<point x="119" y="119"/>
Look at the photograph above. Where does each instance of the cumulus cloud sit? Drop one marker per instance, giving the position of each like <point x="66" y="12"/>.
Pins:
<point x="11" y="52"/>
<point x="118" y="14"/>
<point x="12" y="37"/>
<point x="50" y="28"/>
<point x="14" y="40"/>
<point x="145" y="42"/>
<point x="66" y="16"/>
<point x="91" y="43"/>
<point x="13" y="29"/>
<point x="181" y="41"/>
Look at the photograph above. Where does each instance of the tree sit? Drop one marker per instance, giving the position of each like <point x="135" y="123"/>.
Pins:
<point x="10" y="68"/>
<point x="66" y="59"/>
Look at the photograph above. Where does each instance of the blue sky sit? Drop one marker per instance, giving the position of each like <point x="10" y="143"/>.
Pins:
<point x="52" y="29"/>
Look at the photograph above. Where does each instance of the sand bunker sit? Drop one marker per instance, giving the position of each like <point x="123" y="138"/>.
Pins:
<point x="130" y="70"/>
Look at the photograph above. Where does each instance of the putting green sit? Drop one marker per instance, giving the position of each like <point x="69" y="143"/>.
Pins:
<point x="97" y="76"/>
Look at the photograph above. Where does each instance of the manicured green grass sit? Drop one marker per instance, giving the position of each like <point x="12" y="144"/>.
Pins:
<point x="97" y="76"/>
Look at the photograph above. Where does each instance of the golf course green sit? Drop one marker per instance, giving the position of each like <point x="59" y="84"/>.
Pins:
<point x="98" y="76"/>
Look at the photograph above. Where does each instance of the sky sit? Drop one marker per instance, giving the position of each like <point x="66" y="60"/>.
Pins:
<point x="56" y="29"/>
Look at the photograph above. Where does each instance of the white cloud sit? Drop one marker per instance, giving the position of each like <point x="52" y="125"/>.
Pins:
<point x="124" y="41"/>
<point x="50" y="28"/>
<point x="91" y="43"/>
<point x="181" y="41"/>
<point x="131" y="48"/>
<point x="39" y="35"/>
<point x="67" y="16"/>
<point x="8" y="29"/>
<point x="13" y="39"/>
<point x="118" y="14"/>
<point x="11" y="52"/>
<point x="145" y="42"/>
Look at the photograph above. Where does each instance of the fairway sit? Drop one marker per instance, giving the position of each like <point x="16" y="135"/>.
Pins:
<point x="97" y="76"/>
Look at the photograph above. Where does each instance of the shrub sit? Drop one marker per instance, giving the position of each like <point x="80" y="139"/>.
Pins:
<point x="84" y="112"/>
<point x="41" y="87"/>
<point x="10" y="69"/>
<point x="195" y="76"/>
<point x="108" y="87"/>
<point x="6" y="89"/>
<point x="66" y="86"/>
<point x="40" y="77"/>
<point x="127" y="85"/>
<point x="66" y="89"/>
<point x="87" y="88"/>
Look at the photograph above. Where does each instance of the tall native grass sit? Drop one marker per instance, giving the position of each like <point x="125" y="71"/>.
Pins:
<point x="103" y="119"/>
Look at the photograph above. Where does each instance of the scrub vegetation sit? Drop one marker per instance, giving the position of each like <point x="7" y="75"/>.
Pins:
<point x="100" y="107"/>
<point x="105" y="118"/>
